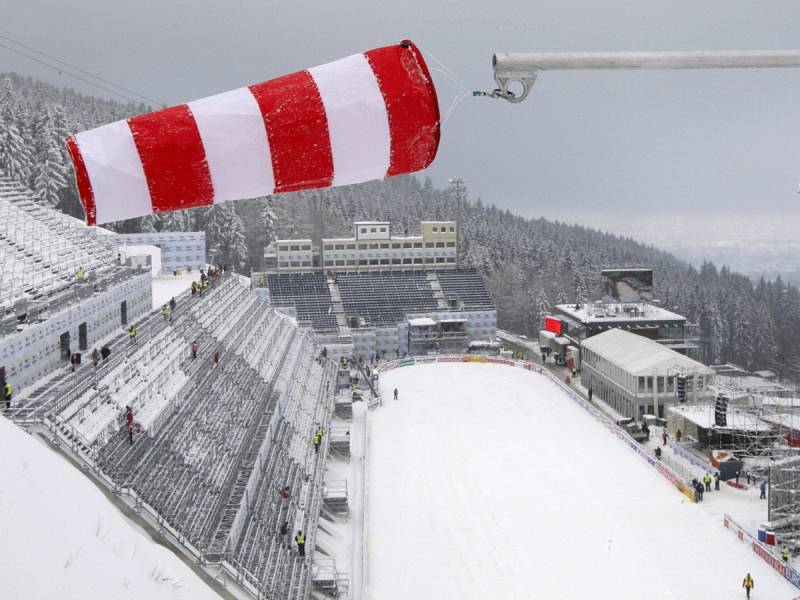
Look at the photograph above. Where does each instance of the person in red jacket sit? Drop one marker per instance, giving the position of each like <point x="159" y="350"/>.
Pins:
<point x="129" y="422"/>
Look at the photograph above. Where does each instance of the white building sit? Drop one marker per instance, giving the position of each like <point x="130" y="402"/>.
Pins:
<point x="635" y="375"/>
<point x="372" y="247"/>
<point x="184" y="250"/>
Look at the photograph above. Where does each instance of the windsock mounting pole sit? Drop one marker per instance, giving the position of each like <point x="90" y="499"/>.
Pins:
<point x="522" y="68"/>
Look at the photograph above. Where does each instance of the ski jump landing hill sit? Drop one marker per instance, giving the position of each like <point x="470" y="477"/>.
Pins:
<point x="488" y="481"/>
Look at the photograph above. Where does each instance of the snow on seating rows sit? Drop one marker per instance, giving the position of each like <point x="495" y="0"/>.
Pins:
<point x="220" y="446"/>
<point x="40" y="248"/>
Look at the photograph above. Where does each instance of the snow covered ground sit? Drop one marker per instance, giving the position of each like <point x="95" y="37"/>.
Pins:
<point x="486" y="481"/>
<point x="61" y="538"/>
<point x="167" y="286"/>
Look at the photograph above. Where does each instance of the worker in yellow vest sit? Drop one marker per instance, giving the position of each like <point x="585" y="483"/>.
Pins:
<point x="79" y="272"/>
<point x="8" y="392"/>
<point x="748" y="584"/>
<point x="132" y="334"/>
<point x="300" y="539"/>
<point x="785" y="554"/>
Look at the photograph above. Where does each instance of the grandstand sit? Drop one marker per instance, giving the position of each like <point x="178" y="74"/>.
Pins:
<point x="219" y="439"/>
<point x="46" y="310"/>
<point x="385" y="298"/>
<point x="307" y="294"/>
<point x="376" y="311"/>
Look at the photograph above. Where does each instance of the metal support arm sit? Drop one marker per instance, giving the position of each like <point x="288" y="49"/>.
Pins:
<point x="523" y="68"/>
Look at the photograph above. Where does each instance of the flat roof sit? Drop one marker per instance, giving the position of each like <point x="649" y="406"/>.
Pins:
<point x="294" y="241"/>
<point x="703" y="416"/>
<point x="421" y="322"/>
<point x="616" y="312"/>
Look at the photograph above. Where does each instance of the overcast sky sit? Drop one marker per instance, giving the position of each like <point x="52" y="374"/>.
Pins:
<point x="630" y="144"/>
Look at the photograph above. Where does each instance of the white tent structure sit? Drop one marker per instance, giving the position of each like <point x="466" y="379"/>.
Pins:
<point x="636" y="375"/>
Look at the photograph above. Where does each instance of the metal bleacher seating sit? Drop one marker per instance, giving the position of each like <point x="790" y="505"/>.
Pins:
<point x="385" y="297"/>
<point x="231" y="437"/>
<point x="40" y="249"/>
<point x="308" y="293"/>
<point x="467" y="286"/>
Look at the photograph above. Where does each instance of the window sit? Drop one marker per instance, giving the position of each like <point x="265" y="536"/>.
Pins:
<point x="451" y="259"/>
<point x="363" y="230"/>
<point x="429" y="244"/>
<point x="641" y="385"/>
<point x="328" y="263"/>
<point x="383" y="229"/>
<point x="395" y="246"/>
<point x="372" y="230"/>
<point x="384" y="261"/>
<point x="451" y="244"/>
<point x="283" y="248"/>
<point x="294" y="248"/>
<point x="452" y="229"/>
<point x="340" y="246"/>
<point x="328" y="246"/>
<point x="374" y="246"/>
<point x="435" y="229"/>
<point x="373" y="261"/>
<point x="295" y="263"/>
<point x="440" y="244"/>
<point x="440" y="260"/>
<point x="407" y="244"/>
<point x="417" y="261"/>
<point x="339" y="263"/>
<point x="283" y="263"/>
<point x="362" y="261"/>
<point x="306" y="248"/>
<point x="670" y="384"/>
<point x="406" y="261"/>
<point x="384" y="246"/>
<point x="417" y="244"/>
<point x="363" y="246"/>
<point x="351" y="246"/>
<point x="660" y="385"/>
<point x="649" y="385"/>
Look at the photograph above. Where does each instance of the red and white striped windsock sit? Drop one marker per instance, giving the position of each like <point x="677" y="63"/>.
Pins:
<point x="363" y="117"/>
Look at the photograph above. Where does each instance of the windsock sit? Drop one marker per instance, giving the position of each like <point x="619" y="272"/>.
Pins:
<point x="364" y="117"/>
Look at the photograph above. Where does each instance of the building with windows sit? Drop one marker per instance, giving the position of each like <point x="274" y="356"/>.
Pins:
<point x="635" y="375"/>
<point x="372" y="247"/>
<point x="580" y="322"/>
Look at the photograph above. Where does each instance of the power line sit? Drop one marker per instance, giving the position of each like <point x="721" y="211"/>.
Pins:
<point x="78" y="69"/>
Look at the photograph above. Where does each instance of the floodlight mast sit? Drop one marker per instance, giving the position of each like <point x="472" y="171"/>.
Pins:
<point x="522" y="68"/>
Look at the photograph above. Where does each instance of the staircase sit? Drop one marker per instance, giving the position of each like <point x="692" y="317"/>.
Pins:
<point x="438" y="294"/>
<point x="338" y="310"/>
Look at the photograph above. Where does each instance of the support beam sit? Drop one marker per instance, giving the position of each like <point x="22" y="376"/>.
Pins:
<point x="524" y="67"/>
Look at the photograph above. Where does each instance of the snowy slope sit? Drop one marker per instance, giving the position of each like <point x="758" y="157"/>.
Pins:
<point x="486" y="481"/>
<point x="62" y="539"/>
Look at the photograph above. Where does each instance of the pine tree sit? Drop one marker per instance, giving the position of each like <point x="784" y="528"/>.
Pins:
<point x="50" y="178"/>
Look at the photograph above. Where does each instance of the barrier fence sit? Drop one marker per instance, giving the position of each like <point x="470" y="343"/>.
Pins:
<point x="763" y="551"/>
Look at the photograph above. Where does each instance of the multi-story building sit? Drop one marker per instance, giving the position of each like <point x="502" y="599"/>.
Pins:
<point x="373" y="247"/>
<point x="291" y="256"/>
